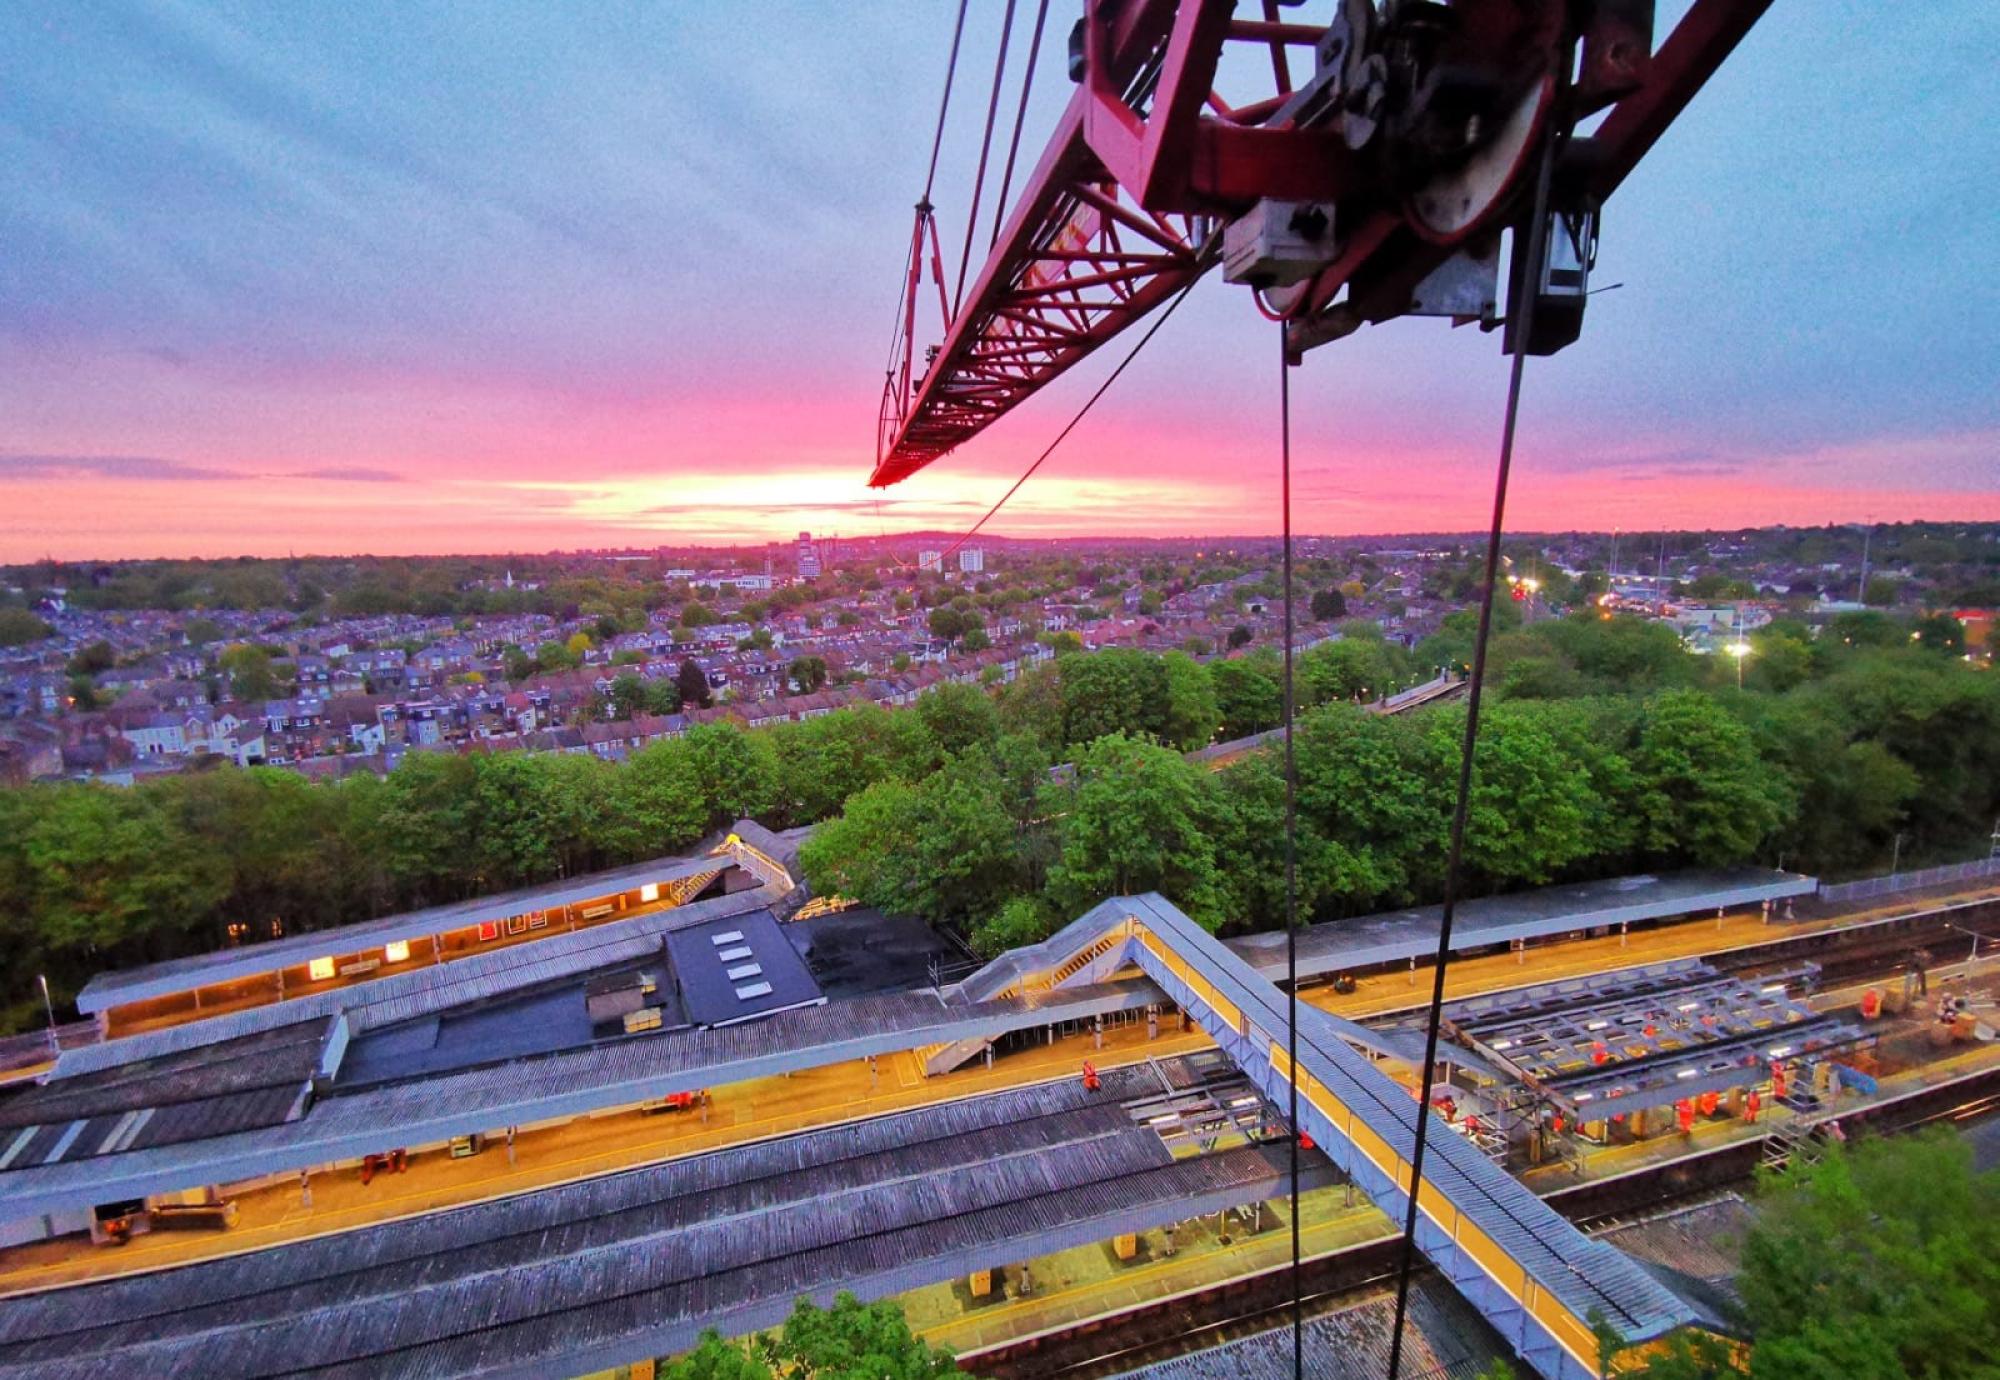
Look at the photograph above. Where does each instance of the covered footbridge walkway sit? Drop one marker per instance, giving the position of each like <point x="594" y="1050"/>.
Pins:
<point x="1537" y="1279"/>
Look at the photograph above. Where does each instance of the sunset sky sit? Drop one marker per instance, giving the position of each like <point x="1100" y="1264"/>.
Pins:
<point x="406" y="278"/>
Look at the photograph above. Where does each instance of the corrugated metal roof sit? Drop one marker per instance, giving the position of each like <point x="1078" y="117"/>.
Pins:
<point x="635" y="1263"/>
<point x="179" y="974"/>
<point x="239" y="1086"/>
<point x="567" y="1084"/>
<point x="421" y="991"/>
<point x="1397" y="936"/>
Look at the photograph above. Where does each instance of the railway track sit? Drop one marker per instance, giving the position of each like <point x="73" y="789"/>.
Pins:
<point x="1108" y="1346"/>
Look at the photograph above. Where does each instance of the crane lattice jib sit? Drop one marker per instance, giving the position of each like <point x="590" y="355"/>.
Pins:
<point x="1148" y="160"/>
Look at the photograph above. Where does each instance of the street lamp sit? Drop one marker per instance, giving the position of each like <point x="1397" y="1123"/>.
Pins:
<point x="1740" y="650"/>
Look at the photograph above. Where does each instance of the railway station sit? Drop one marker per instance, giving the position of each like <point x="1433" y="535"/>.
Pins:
<point x="284" y="968"/>
<point x="513" y="1094"/>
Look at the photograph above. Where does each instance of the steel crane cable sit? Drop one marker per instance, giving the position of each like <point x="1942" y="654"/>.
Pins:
<point x="1291" y="854"/>
<point x="1200" y="268"/>
<point x="1521" y="330"/>
<point x="944" y="103"/>
<point x="930" y="177"/>
<point x="985" y="150"/>
<point x="1020" y="117"/>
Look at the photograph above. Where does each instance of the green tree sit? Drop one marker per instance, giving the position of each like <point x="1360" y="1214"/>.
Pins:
<point x="1137" y="818"/>
<point x="1368" y="785"/>
<point x="807" y="674"/>
<point x="853" y="1340"/>
<point x="1777" y="661"/>
<point x="1248" y="694"/>
<point x="111" y="878"/>
<point x="949" y="624"/>
<point x="716" y="1357"/>
<point x="18" y="627"/>
<point x="1864" y="628"/>
<point x="1192" y="713"/>
<point x="248" y="667"/>
<point x="627" y="696"/>
<point x="1852" y="794"/>
<point x="848" y="1341"/>
<point x="1328" y="604"/>
<point x="1019" y="922"/>
<point x="692" y="683"/>
<point x="1877" y="1263"/>
<point x="959" y="717"/>
<point x="555" y="656"/>
<point x="826" y="759"/>
<point x="513" y="800"/>
<point x="1939" y="632"/>
<point x="738" y="771"/>
<point x="93" y="660"/>
<point x="1704" y="794"/>
<point x="864" y="853"/>
<point x="962" y="846"/>
<point x="1881" y="591"/>
<point x="661" y="798"/>
<point x="1114" y="691"/>
<point x="1032" y="704"/>
<point x="1240" y="636"/>
<point x="1346" y="669"/>
<point x="426" y="824"/>
<point x="1531" y="807"/>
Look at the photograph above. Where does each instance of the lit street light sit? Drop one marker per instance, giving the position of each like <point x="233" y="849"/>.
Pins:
<point x="1741" y="651"/>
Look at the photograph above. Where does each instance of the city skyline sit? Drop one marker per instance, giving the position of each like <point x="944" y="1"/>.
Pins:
<point x="407" y="283"/>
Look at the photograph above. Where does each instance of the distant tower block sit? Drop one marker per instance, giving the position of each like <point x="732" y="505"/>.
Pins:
<point x="932" y="561"/>
<point x="972" y="560"/>
<point x="808" y="557"/>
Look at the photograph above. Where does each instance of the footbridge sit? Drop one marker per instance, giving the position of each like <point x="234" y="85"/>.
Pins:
<point x="1539" y="1281"/>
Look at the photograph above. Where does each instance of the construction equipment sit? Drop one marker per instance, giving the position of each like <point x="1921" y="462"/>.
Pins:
<point x="1367" y="170"/>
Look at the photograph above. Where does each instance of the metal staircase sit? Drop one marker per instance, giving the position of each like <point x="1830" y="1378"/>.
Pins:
<point x="1083" y="958"/>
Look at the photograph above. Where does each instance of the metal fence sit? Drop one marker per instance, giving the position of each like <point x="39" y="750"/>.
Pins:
<point x="1911" y="881"/>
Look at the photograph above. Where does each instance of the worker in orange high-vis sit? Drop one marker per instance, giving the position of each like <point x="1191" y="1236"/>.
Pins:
<point x="1752" y="1105"/>
<point x="1090" y="1078"/>
<point x="1684" y="1115"/>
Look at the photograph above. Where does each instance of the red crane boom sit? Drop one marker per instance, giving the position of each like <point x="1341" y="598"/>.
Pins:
<point x="1375" y="187"/>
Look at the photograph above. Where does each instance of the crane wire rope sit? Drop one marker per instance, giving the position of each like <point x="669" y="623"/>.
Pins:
<point x="944" y="103"/>
<point x="930" y="177"/>
<point x="1081" y="412"/>
<point x="1291" y="855"/>
<point x="1521" y="329"/>
<point x="1020" y="118"/>
<point x="985" y="150"/>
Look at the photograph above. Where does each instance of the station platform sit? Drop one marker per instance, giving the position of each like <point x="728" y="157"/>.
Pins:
<point x="639" y="1262"/>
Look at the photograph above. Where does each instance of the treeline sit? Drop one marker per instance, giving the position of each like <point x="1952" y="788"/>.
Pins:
<point x="367" y="586"/>
<point x="1610" y="757"/>
<point x="1610" y="749"/>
